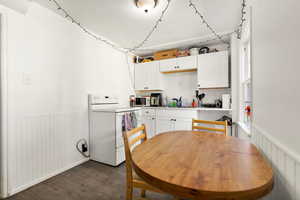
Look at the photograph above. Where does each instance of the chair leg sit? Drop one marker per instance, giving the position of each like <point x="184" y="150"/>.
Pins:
<point x="129" y="191"/>
<point x="143" y="193"/>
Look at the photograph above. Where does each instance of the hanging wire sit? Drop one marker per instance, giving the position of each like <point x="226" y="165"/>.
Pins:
<point x="204" y="21"/>
<point x="74" y="21"/>
<point x="155" y="27"/>
<point x="239" y="29"/>
<point x="129" y="70"/>
<point x="99" y="38"/>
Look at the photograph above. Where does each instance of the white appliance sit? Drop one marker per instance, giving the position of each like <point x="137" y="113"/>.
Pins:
<point x="226" y="101"/>
<point x="105" y="123"/>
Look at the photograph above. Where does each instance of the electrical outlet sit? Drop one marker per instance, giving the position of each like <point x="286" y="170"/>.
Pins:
<point x="84" y="148"/>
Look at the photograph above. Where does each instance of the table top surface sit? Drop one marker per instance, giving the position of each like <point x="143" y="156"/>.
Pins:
<point x="201" y="164"/>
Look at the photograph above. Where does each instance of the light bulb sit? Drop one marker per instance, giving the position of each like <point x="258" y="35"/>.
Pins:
<point x="146" y="5"/>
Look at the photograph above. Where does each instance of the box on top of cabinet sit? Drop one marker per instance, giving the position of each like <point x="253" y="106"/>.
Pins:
<point x="165" y="54"/>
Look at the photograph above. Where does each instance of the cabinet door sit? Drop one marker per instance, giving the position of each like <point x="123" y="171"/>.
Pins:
<point x="168" y="65"/>
<point x="185" y="63"/>
<point x="149" y="122"/>
<point x="182" y="124"/>
<point x="154" y="76"/>
<point x="213" y="70"/>
<point x="164" y="125"/>
<point x="140" y="76"/>
<point x="147" y="76"/>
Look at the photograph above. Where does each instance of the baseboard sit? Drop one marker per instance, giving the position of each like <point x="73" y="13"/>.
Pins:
<point x="39" y="180"/>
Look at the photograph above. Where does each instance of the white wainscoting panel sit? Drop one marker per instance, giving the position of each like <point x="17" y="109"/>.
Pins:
<point x="41" y="146"/>
<point x="285" y="164"/>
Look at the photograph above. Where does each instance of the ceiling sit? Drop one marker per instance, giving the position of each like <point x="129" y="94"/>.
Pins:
<point x="124" y="24"/>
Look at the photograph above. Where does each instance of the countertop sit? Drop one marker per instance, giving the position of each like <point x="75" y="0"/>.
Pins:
<point x="188" y="108"/>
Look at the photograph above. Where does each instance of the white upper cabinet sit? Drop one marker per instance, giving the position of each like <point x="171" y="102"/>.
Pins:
<point x="178" y="64"/>
<point x="147" y="76"/>
<point x="213" y="70"/>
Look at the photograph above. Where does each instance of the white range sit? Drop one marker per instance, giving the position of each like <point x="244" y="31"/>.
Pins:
<point x="105" y="123"/>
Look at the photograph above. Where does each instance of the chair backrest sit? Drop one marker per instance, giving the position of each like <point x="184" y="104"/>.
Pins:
<point x="130" y="139"/>
<point x="199" y="126"/>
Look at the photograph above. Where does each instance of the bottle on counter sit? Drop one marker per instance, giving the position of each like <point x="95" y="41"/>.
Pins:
<point x="132" y="100"/>
<point x="194" y="104"/>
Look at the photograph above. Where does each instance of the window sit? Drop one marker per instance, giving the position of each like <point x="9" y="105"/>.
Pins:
<point x="245" y="91"/>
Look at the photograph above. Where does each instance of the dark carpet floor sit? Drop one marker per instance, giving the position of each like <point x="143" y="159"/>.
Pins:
<point x="89" y="181"/>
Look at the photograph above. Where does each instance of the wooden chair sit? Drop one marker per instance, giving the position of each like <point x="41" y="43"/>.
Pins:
<point x="133" y="180"/>
<point x="203" y="129"/>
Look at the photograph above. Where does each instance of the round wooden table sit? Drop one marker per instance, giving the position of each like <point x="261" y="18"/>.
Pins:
<point x="203" y="166"/>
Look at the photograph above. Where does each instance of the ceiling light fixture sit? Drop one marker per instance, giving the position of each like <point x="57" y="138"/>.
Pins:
<point x="146" y="5"/>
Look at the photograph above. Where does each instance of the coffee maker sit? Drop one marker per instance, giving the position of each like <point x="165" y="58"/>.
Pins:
<point x="156" y="99"/>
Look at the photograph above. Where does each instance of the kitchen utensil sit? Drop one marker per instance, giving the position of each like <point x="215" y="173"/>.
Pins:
<point x="208" y="105"/>
<point x="204" y="50"/>
<point x="194" y="51"/>
<point x="201" y="96"/>
<point x="179" y="104"/>
<point x="218" y="103"/>
<point x="176" y="102"/>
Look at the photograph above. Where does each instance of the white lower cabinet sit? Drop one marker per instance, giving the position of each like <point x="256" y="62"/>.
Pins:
<point x="149" y="119"/>
<point x="171" y="120"/>
<point x="164" y="125"/>
<point x="183" y="124"/>
<point x="149" y="122"/>
<point x="173" y="124"/>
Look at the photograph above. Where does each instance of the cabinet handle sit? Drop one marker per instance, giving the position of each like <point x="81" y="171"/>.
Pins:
<point x="153" y="118"/>
<point x="145" y="88"/>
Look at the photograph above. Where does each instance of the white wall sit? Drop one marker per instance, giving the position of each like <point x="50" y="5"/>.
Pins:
<point x="18" y="5"/>
<point x="276" y="70"/>
<point x="185" y="84"/>
<point x="52" y="66"/>
<point x="276" y="93"/>
<point x="180" y="84"/>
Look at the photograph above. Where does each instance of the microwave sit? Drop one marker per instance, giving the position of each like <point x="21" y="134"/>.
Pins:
<point x="142" y="101"/>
